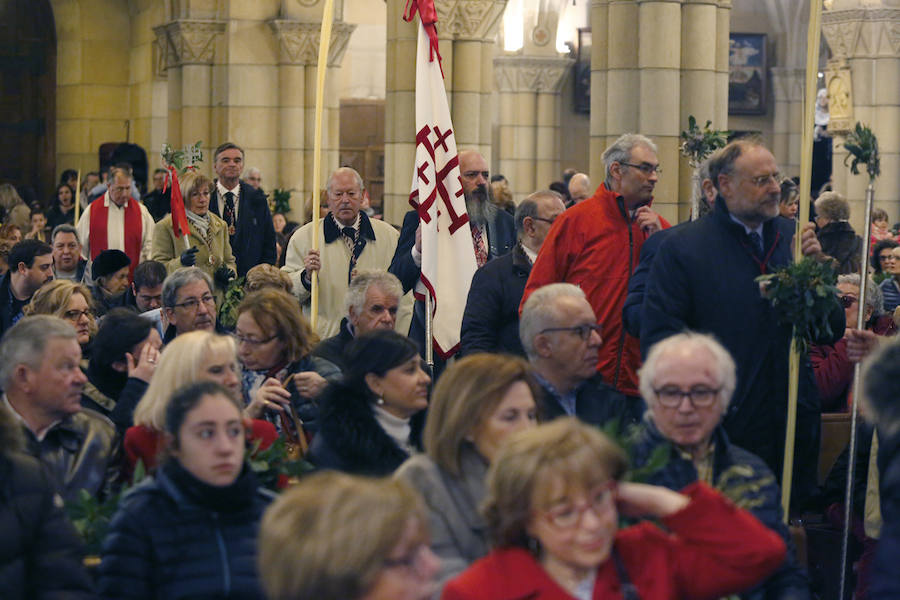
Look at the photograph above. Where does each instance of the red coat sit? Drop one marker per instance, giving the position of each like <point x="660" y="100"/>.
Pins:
<point x="146" y="444"/>
<point x="596" y="246"/>
<point x="715" y="549"/>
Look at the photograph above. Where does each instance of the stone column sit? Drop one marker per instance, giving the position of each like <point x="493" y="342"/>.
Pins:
<point x="788" y="86"/>
<point x="654" y="63"/>
<point x="529" y="88"/>
<point x="187" y="48"/>
<point x="297" y="66"/>
<point x="466" y="29"/>
<point x="863" y="82"/>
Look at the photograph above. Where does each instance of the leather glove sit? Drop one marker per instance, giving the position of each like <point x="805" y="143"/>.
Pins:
<point x="223" y="275"/>
<point x="189" y="257"/>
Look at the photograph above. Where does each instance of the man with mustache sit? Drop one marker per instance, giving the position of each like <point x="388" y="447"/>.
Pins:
<point x="493" y="234"/>
<point x="704" y="279"/>
<point x="188" y="302"/>
<point x="595" y="245"/>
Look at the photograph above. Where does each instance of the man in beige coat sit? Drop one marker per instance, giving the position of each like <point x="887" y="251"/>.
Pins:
<point x="348" y="240"/>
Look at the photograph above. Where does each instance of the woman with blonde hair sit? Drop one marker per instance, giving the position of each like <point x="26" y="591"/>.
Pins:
<point x="15" y="211"/>
<point x="341" y="537"/>
<point x="209" y="248"/>
<point x="194" y="356"/>
<point x="281" y="379"/>
<point x="477" y="403"/>
<point x="552" y="511"/>
<point x="71" y="302"/>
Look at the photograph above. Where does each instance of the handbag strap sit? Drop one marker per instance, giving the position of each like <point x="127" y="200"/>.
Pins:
<point x="629" y="590"/>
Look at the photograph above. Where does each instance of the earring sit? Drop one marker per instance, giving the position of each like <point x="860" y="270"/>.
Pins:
<point x="379" y="401"/>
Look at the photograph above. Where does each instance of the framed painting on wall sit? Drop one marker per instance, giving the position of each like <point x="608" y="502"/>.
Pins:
<point x="747" y="74"/>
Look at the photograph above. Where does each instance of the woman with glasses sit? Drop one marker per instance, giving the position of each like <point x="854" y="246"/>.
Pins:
<point x="208" y="242"/>
<point x="71" y="302"/>
<point x="280" y="380"/>
<point x="190" y="530"/>
<point x="372" y="420"/>
<point x="190" y="357"/>
<point x="478" y="402"/>
<point x="883" y="260"/>
<point x="553" y="504"/>
<point x="338" y="537"/>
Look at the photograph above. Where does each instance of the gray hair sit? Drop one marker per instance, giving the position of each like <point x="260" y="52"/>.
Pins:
<point x="529" y="208"/>
<point x="64" y="228"/>
<point x="620" y="150"/>
<point x="874" y="297"/>
<point x="24" y="343"/>
<point x="539" y="311"/>
<point x="359" y="180"/>
<point x="727" y="371"/>
<point x="180" y="278"/>
<point x="254" y="170"/>
<point x="833" y="207"/>
<point x="366" y="278"/>
<point x="881" y="385"/>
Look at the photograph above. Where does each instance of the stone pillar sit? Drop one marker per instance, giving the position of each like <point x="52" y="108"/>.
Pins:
<point x="466" y="29"/>
<point x="297" y="66"/>
<point x="187" y="48"/>
<point x="788" y="86"/>
<point x="529" y="88"/>
<point x="654" y="63"/>
<point x="864" y="37"/>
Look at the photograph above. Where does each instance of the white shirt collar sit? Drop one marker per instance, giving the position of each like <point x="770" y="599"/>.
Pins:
<point x="40" y="435"/>
<point x="531" y="254"/>
<point x="747" y="230"/>
<point x="236" y="190"/>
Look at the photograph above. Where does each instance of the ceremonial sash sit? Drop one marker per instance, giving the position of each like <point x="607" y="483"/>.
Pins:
<point x="99" y="236"/>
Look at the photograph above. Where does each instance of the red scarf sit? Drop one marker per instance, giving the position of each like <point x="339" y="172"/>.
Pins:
<point x="133" y="230"/>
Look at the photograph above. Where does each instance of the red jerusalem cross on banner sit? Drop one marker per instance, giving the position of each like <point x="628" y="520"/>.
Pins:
<point x="448" y="257"/>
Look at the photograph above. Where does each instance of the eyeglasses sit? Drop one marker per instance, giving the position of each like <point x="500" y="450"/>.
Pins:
<point x="700" y="396"/>
<point x="192" y="304"/>
<point x="569" y="515"/>
<point x="847" y="300"/>
<point x="240" y="339"/>
<point x="75" y="315"/>
<point x="763" y="180"/>
<point x="582" y="331"/>
<point x="645" y="168"/>
<point x="414" y="560"/>
<point x="474" y="174"/>
<point x="550" y="221"/>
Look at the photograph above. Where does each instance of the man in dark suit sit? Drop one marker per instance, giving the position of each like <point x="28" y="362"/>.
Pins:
<point x="491" y="319"/>
<point x="493" y="234"/>
<point x="244" y="209"/>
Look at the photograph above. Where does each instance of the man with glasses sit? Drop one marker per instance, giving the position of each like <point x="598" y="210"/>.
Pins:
<point x="491" y="319"/>
<point x="687" y="381"/>
<point x="188" y="302"/>
<point x="493" y="234"/>
<point x="348" y="241"/>
<point x="561" y="337"/>
<point x="595" y="245"/>
<point x="704" y="278"/>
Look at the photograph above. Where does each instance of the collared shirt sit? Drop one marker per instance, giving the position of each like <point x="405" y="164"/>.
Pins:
<point x="40" y="435"/>
<point x="115" y="228"/>
<point x="703" y="464"/>
<point x="236" y="190"/>
<point x="531" y="254"/>
<point x="350" y="242"/>
<point x="747" y="230"/>
<point x="567" y="401"/>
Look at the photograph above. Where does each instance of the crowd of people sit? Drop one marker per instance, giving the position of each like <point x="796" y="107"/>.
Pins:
<point x="612" y="425"/>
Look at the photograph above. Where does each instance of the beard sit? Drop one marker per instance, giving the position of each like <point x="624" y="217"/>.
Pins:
<point x="476" y="204"/>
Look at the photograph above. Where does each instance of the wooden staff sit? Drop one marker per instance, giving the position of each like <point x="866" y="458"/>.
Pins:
<point x="321" y="68"/>
<point x="77" y="196"/>
<point x="809" y="106"/>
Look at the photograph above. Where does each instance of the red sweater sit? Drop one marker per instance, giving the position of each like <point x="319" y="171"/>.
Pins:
<point x="596" y="246"/>
<point x="715" y="549"/>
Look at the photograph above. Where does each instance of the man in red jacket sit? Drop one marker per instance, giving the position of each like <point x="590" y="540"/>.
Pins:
<point x="596" y="244"/>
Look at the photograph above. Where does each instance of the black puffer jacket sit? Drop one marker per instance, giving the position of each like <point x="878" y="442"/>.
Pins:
<point x="176" y="537"/>
<point x="40" y="552"/>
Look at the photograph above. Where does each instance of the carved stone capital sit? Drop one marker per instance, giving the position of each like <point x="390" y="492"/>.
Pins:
<point x="839" y="84"/>
<point x="469" y="19"/>
<point x="869" y="32"/>
<point x="299" y="41"/>
<point x="530" y="73"/>
<point x="188" y="41"/>
<point x="787" y="84"/>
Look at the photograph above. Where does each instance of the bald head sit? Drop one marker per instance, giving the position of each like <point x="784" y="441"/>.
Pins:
<point x="473" y="170"/>
<point x="579" y="187"/>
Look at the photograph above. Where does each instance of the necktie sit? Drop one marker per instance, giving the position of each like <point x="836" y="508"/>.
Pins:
<point x="228" y="211"/>
<point x="756" y="241"/>
<point x="481" y="255"/>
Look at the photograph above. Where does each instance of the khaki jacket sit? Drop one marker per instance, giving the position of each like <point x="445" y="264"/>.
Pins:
<point x="167" y="249"/>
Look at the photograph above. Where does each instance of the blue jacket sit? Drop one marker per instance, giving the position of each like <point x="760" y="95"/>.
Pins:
<point x="745" y="480"/>
<point x="165" y="543"/>
<point x="253" y="241"/>
<point x="885" y="581"/>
